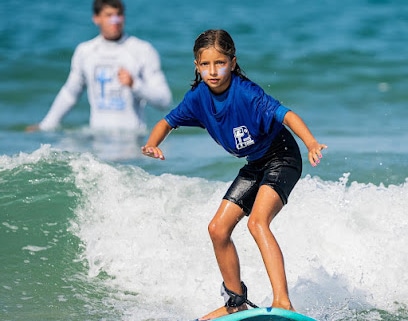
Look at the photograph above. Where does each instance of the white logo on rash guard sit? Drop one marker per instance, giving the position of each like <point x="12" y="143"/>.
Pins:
<point x="242" y="137"/>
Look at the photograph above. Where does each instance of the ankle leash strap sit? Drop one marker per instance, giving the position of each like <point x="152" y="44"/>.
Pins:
<point x="233" y="299"/>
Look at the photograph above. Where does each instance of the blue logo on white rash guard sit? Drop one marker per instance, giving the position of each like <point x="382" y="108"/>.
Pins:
<point x="110" y="91"/>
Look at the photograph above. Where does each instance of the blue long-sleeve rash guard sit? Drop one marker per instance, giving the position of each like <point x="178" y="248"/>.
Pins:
<point x="246" y="124"/>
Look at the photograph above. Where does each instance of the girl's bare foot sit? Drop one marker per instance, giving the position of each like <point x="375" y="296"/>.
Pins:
<point x="287" y="305"/>
<point x="222" y="311"/>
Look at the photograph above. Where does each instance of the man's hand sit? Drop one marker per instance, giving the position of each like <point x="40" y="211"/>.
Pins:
<point x="125" y="77"/>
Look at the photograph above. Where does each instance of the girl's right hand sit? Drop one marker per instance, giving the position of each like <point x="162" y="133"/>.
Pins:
<point x="154" y="152"/>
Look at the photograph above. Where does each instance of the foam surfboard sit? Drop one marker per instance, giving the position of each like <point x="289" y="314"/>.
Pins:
<point x="265" y="314"/>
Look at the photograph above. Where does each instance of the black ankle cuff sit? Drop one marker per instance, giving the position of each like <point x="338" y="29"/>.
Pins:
<point x="236" y="300"/>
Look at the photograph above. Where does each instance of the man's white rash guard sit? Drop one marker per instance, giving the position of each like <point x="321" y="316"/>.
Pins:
<point x="95" y="64"/>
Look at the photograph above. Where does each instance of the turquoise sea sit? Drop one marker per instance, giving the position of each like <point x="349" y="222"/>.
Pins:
<point x="91" y="230"/>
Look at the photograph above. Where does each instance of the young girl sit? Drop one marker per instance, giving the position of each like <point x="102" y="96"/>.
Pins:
<point x="247" y="122"/>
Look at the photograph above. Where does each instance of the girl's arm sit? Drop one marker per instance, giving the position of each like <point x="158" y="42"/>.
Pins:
<point x="158" y="134"/>
<point x="296" y="124"/>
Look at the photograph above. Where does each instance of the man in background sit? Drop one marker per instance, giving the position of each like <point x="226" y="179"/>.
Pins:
<point x="121" y="72"/>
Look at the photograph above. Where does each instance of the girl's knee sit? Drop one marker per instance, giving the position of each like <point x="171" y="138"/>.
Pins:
<point x="217" y="232"/>
<point x="256" y="226"/>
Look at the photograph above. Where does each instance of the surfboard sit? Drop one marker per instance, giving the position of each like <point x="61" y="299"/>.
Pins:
<point x="265" y="314"/>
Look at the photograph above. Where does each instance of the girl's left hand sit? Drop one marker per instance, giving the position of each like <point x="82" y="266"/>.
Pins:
<point x="315" y="153"/>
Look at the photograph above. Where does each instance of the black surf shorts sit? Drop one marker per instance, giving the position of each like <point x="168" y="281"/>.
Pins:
<point x="280" y="168"/>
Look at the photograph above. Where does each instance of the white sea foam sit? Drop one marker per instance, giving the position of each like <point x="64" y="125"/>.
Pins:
<point x="35" y="248"/>
<point x="344" y="243"/>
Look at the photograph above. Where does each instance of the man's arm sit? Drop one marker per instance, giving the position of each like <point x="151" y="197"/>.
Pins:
<point x="152" y="85"/>
<point x="67" y="96"/>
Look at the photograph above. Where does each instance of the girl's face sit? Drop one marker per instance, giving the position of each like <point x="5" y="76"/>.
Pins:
<point x="215" y="69"/>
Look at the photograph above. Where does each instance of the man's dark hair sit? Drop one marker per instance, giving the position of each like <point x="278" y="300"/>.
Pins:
<point x="99" y="4"/>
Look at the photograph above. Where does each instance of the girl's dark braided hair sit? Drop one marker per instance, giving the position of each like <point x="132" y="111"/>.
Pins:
<point x="220" y="40"/>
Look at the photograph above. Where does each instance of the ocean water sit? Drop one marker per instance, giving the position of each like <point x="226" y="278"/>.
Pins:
<point x="92" y="230"/>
